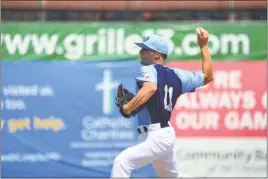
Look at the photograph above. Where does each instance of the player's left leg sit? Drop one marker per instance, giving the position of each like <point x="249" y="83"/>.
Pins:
<point x="133" y="158"/>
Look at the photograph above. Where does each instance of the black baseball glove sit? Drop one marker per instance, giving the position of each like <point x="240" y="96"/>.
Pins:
<point x="122" y="98"/>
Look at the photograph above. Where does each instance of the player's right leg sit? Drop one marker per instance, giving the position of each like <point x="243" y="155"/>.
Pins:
<point x="154" y="144"/>
<point x="133" y="158"/>
<point x="165" y="165"/>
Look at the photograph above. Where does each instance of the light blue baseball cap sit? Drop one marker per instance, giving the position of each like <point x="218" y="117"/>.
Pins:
<point x="156" y="43"/>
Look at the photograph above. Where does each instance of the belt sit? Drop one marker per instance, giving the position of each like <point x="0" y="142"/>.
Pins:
<point x="142" y="129"/>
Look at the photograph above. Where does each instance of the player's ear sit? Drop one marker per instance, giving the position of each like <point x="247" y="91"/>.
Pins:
<point x="158" y="54"/>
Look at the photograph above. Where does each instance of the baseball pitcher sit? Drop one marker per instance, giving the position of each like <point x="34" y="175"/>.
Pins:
<point x="158" y="88"/>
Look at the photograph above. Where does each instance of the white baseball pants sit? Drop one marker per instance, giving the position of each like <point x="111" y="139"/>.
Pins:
<point x="155" y="146"/>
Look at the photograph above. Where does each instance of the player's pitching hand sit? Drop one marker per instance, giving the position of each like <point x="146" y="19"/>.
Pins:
<point x="202" y="36"/>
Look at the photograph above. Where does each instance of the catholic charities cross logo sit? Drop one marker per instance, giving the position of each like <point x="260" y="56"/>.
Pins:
<point x="107" y="86"/>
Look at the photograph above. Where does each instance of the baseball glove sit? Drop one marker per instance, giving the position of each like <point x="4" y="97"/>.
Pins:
<point x="122" y="98"/>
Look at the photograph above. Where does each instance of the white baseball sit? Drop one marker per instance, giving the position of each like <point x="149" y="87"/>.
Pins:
<point x="199" y="30"/>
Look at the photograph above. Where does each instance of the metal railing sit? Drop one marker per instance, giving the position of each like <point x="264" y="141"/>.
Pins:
<point x="41" y="10"/>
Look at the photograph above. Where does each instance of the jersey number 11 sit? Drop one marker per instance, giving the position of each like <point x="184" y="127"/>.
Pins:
<point x="168" y="94"/>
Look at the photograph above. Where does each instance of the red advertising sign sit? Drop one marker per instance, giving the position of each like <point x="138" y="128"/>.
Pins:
<point x="233" y="105"/>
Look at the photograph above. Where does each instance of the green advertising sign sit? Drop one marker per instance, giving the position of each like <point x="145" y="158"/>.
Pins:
<point x="115" y="41"/>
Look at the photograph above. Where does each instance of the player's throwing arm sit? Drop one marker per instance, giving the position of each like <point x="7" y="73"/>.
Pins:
<point x="202" y="38"/>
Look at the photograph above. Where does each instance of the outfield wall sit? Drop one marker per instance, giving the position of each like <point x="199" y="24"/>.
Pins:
<point x="58" y="90"/>
<point x="59" y="120"/>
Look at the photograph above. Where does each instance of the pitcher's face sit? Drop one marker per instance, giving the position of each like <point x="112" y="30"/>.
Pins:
<point x="148" y="56"/>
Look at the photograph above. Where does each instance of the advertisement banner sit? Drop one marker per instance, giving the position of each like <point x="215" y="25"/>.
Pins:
<point x="222" y="128"/>
<point x="115" y="41"/>
<point x="222" y="157"/>
<point x="59" y="119"/>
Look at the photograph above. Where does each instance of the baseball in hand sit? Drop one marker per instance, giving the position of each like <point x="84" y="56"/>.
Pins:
<point x="202" y="36"/>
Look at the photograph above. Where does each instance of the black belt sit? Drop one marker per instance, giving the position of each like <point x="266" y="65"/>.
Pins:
<point x="163" y="125"/>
